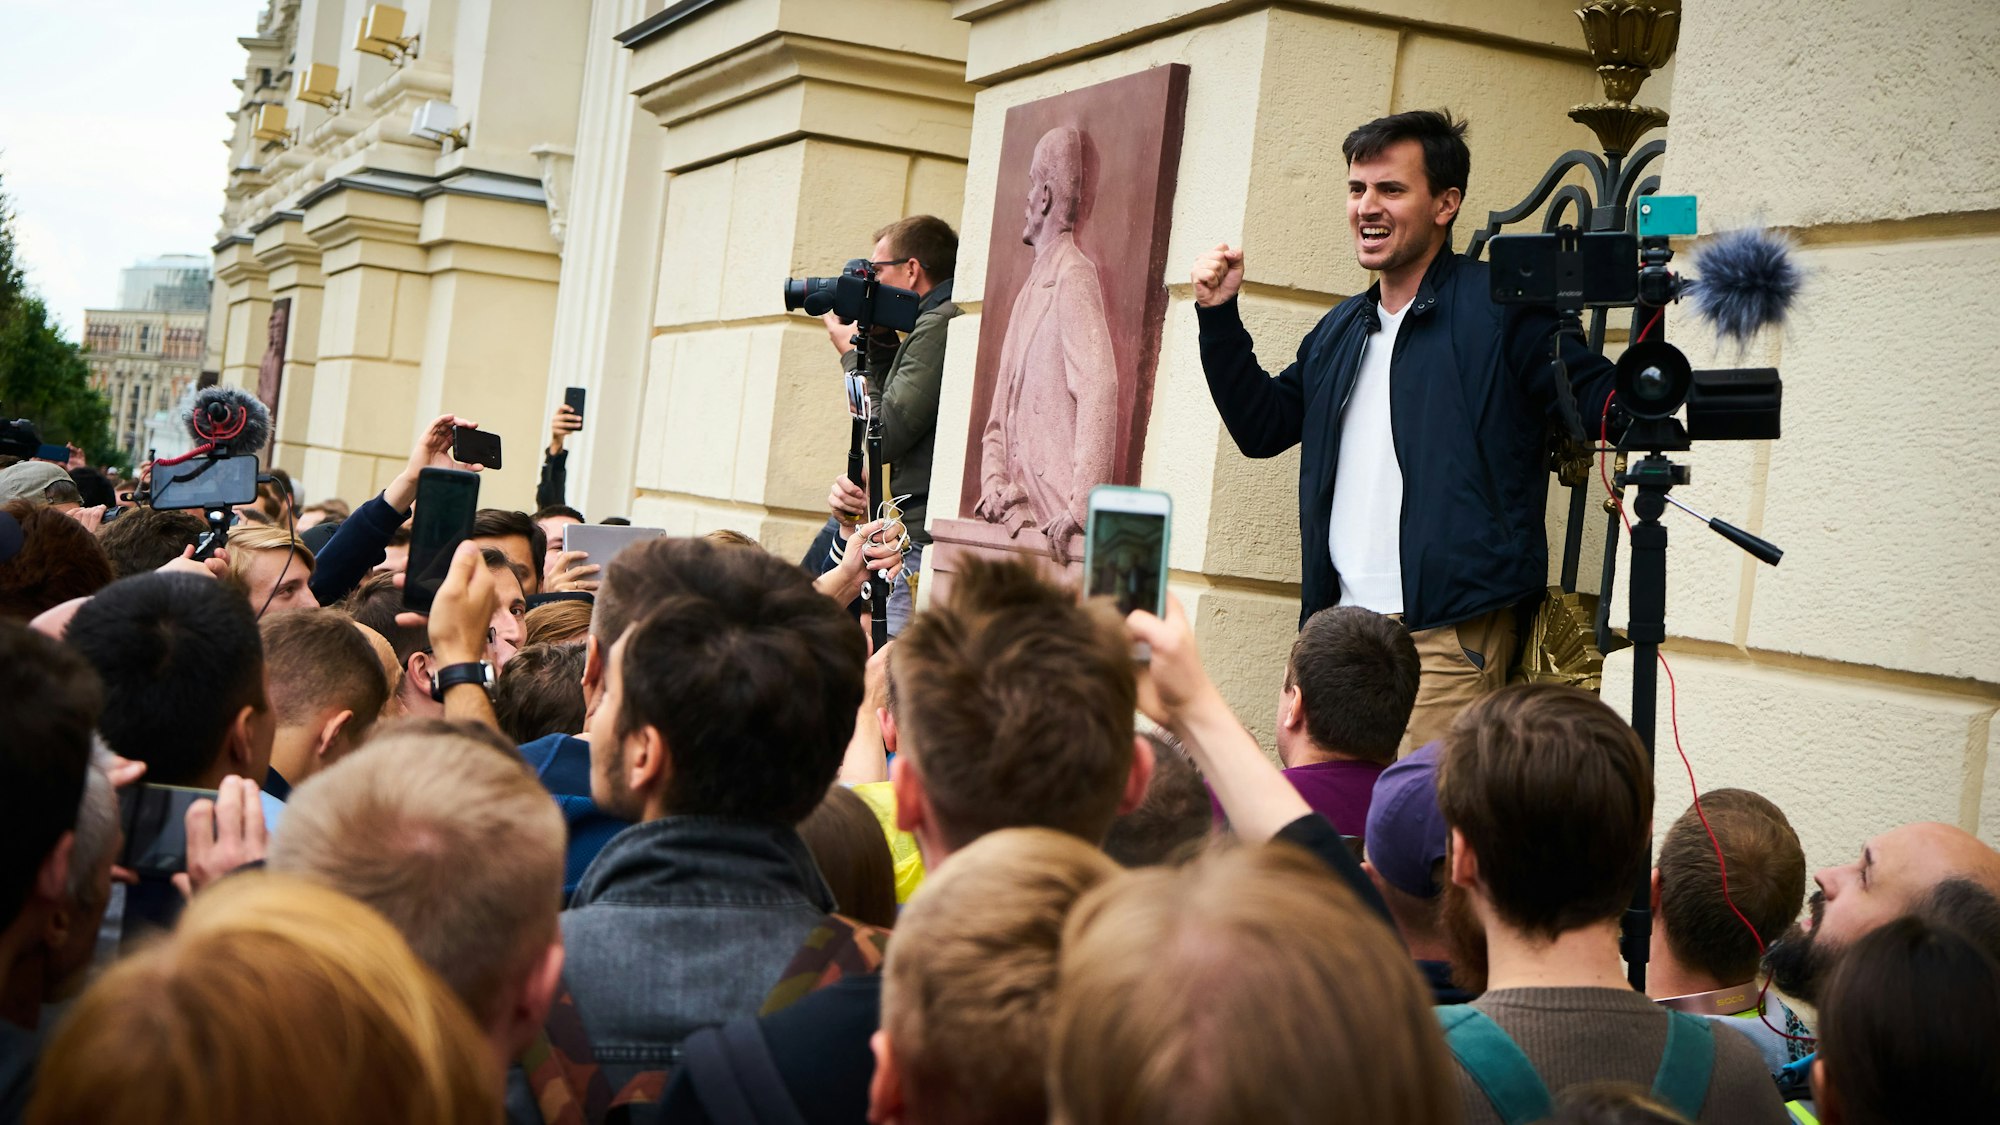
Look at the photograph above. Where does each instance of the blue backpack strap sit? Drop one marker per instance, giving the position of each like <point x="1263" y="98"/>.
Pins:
<point x="1687" y="1064"/>
<point x="1496" y="1063"/>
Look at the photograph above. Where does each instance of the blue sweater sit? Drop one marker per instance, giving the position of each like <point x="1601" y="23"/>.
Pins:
<point x="562" y="763"/>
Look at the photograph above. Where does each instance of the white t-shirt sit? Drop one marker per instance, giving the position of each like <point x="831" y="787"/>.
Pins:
<point x="1366" y="539"/>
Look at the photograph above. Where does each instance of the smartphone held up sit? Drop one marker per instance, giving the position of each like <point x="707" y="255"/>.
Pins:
<point x="447" y="502"/>
<point x="1125" y="547"/>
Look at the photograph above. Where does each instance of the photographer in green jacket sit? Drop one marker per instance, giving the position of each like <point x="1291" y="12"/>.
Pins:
<point x="918" y="253"/>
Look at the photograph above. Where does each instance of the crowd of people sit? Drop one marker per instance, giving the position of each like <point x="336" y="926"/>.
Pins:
<point x="697" y="855"/>
<point x="665" y="837"/>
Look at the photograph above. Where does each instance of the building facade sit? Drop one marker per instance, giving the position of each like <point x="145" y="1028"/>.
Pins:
<point x="692" y="155"/>
<point x="145" y="355"/>
<point x="371" y="278"/>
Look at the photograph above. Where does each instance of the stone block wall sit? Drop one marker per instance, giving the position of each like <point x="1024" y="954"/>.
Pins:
<point x="1857" y="682"/>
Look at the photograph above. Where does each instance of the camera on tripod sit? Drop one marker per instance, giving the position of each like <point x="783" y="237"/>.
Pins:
<point x="1571" y="270"/>
<point x="855" y="296"/>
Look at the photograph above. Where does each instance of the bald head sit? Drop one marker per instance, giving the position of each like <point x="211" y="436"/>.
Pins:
<point x="1055" y="184"/>
<point x="1893" y="876"/>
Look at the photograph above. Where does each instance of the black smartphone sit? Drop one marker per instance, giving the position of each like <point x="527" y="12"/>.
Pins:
<point x="206" y="482"/>
<point x="447" y="501"/>
<point x="573" y="398"/>
<point x="155" y="820"/>
<point x="56" y="453"/>
<point x="475" y="447"/>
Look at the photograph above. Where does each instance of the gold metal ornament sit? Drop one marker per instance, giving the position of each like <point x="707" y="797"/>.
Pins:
<point x="1562" y="643"/>
<point x="1630" y="39"/>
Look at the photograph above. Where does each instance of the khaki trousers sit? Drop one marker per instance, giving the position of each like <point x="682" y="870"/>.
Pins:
<point x="1458" y="663"/>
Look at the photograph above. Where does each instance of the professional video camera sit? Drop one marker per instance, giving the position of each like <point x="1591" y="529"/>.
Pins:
<point x="1746" y="282"/>
<point x="855" y="296"/>
<point x="221" y="471"/>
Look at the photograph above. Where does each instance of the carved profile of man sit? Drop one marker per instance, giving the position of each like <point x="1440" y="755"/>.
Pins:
<point x="1049" y="438"/>
<point x="271" y="370"/>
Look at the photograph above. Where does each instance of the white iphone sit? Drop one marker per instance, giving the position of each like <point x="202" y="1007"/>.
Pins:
<point x="1125" y="547"/>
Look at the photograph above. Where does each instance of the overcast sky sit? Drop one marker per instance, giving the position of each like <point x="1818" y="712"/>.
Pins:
<point x="111" y="135"/>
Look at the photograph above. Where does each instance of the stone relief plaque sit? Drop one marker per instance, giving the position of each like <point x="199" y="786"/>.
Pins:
<point x="1075" y="298"/>
<point x="271" y="371"/>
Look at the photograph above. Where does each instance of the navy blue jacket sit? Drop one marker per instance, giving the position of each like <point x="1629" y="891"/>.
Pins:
<point x="358" y="546"/>
<point x="1472" y="393"/>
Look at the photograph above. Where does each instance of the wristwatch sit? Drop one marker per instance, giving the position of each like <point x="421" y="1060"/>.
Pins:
<point x="451" y="675"/>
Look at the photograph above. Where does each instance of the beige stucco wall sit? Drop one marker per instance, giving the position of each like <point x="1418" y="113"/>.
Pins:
<point x="1856" y="683"/>
<point x="784" y="147"/>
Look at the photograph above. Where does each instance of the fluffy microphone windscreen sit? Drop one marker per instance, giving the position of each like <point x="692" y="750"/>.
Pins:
<point x="235" y="404"/>
<point x="1745" y="281"/>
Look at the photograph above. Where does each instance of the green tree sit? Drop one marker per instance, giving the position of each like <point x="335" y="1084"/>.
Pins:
<point x="43" y="377"/>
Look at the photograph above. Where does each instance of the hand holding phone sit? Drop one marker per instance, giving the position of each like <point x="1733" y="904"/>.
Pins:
<point x="1125" y="547"/>
<point x="475" y="447"/>
<point x="155" y="822"/>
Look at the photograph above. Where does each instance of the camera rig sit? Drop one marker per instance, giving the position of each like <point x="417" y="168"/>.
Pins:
<point x="1571" y="270"/>
<point x="856" y="296"/>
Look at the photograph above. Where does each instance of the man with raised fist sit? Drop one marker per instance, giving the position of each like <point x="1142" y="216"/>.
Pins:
<point x="1422" y="407"/>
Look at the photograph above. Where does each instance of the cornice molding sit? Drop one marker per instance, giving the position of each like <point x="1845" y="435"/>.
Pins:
<point x="782" y="58"/>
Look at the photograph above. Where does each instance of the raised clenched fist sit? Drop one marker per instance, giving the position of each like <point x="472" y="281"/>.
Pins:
<point x="1217" y="275"/>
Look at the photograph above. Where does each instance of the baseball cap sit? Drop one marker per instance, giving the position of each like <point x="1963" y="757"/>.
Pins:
<point x="30" y="480"/>
<point x="1406" y="834"/>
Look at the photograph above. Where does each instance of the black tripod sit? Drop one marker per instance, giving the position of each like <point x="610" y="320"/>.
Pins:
<point x="866" y="437"/>
<point x="1655" y="475"/>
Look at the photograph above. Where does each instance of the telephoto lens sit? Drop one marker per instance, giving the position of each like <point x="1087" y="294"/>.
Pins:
<point x="813" y="294"/>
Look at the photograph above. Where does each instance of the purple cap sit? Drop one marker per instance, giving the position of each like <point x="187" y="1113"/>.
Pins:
<point x="1406" y="833"/>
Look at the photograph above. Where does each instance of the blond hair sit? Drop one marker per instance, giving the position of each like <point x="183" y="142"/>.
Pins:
<point x="1248" y="986"/>
<point x="272" y="998"/>
<point x="970" y="978"/>
<point x="557" y="623"/>
<point x="243" y="540"/>
<point x="459" y="847"/>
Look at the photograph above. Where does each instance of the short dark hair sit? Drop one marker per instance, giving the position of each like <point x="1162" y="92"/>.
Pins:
<point x="750" y="675"/>
<point x="58" y="561"/>
<point x="1553" y="793"/>
<point x="317" y="659"/>
<point x="1174" y="818"/>
<point x="142" y="539"/>
<point x="1909" y="1024"/>
<point x="1447" y="160"/>
<point x="179" y="656"/>
<point x="928" y="239"/>
<point x="1767" y="882"/>
<point x="1356" y="672"/>
<point x="500" y="523"/>
<point x="93" y="488"/>
<point x="1015" y="705"/>
<point x="375" y="603"/>
<point x="49" y="703"/>
<point x="540" y="692"/>
<point x="1967" y="907"/>
<point x="558" y="510"/>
